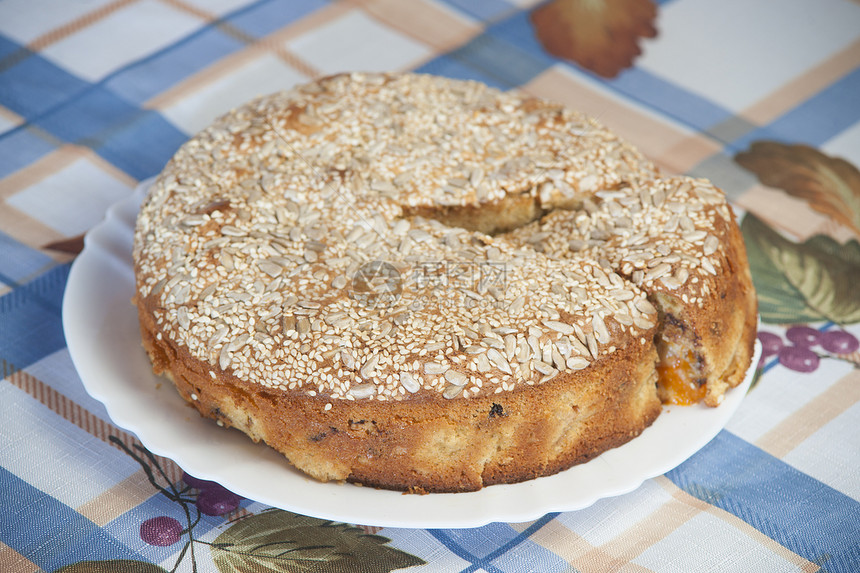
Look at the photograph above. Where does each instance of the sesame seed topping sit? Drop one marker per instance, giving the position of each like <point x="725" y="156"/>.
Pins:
<point x="263" y="240"/>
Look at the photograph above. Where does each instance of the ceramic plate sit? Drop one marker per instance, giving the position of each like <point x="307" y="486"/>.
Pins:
<point x="102" y="333"/>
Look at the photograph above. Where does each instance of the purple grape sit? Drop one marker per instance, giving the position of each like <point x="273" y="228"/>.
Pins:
<point x="803" y="336"/>
<point x="161" y="531"/>
<point x="770" y="343"/>
<point x="799" y="359"/>
<point x="217" y="501"/>
<point x="839" y="342"/>
<point x="198" y="483"/>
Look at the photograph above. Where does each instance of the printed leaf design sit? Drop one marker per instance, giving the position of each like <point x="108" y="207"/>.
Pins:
<point x="73" y="245"/>
<point x="830" y="185"/>
<point x="112" y="566"/>
<point x="600" y="35"/>
<point x="280" y="541"/>
<point x="802" y="282"/>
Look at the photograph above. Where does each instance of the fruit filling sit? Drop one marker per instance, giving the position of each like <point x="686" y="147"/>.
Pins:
<point x="681" y="379"/>
<point x="678" y="380"/>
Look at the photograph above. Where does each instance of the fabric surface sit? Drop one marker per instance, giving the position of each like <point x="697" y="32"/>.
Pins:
<point x="762" y="97"/>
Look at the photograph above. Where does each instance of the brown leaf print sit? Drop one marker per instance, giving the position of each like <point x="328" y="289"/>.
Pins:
<point x="831" y="185"/>
<point x="72" y="245"/>
<point x="600" y="35"/>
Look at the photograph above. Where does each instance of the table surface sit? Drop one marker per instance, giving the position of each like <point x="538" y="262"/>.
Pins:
<point x="761" y="97"/>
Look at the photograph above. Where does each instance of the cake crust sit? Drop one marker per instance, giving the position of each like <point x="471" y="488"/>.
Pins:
<point x="320" y="270"/>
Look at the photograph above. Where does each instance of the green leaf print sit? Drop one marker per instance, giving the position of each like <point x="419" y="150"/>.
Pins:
<point x="802" y="282"/>
<point x="112" y="566"/>
<point x="282" y="542"/>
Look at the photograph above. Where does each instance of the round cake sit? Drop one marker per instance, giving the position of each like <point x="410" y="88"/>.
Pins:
<point x="425" y="284"/>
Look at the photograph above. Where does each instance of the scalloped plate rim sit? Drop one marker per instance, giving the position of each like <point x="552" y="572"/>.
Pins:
<point x="102" y="336"/>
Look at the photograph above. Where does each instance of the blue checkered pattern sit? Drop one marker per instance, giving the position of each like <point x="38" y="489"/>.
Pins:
<point x="85" y="115"/>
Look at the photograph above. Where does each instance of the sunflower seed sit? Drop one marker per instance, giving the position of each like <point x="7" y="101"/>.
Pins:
<point x="455" y="377"/>
<point x="557" y="359"/>
<point x="517" y="305"/>
<point x="232" y="231"/>
<point x="592" y="344"/>
<point x="577" y="362"/>
<point x="226" y="260"/>
<point x="559" y="326"/>
<point x="347" y="359"/>
<point x="452" y="391"/>
<point x="193" y="220"/>
<point x="409" y="383"/>
<point x="600" y="330"/>
<point x="339" y="282"/>
<point x="224" y="357"/>
<point x="711" y="245"/>
<point x="368" y="369"/>
<point x="670" y="282"/>
<point x="644" y="305"/>
<point x="499" y="360"/>
<point x="660" y="270"/>
<point x="270" y="268"/>
<point x="362" y="391"/>
<point x="510" y="347"/>
<point x="434" y="368"/>
<point x="182" y="317"/>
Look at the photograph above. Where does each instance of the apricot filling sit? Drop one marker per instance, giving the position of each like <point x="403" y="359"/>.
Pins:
<point x="678" y="380"/>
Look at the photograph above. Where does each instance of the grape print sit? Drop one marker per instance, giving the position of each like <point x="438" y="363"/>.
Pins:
<point x="196" y="483"/>
<point x="268" y="540"/>
<point x="799" y="352"/>
<point x="803" y="336"/>
<point x="839" y="342"/>
<point x="799" y="359"/>
<point x="161" y="531"/>
<point x="217" y="501"/>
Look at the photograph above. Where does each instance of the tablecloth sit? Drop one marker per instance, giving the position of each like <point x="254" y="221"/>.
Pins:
<point x="760" y="96"/>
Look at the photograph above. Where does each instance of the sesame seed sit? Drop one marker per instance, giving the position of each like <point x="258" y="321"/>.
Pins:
<point x="252" y="271"/>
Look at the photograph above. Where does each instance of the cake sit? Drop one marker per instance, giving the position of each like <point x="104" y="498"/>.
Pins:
<point x="425" y="284"/>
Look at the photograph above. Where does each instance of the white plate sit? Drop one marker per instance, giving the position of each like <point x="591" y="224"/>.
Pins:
<point x="102" y="333"/>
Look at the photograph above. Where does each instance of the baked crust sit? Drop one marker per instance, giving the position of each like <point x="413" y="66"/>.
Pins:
<point x="429" y="443"/>
<point x="252" y="250"/>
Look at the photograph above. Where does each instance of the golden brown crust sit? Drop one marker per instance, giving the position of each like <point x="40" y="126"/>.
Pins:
<point x="251" y="248"/>
<point x="432" y="444"/>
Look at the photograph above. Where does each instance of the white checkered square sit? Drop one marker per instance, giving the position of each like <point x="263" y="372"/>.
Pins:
<point x="737" y="52"/>
<point x="357" y="42"/>
<point x="73" y="199"/>
<point x="707" y="543"/>
<point x="26" y="20"/>
<point x="613" y="516"/>
<point x="832" y="454"/>
<point x="124" y="36"/>
<point x="35" y="442"/>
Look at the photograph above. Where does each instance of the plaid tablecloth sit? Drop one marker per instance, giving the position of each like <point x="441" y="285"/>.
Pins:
<point x="761" y="96"/>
